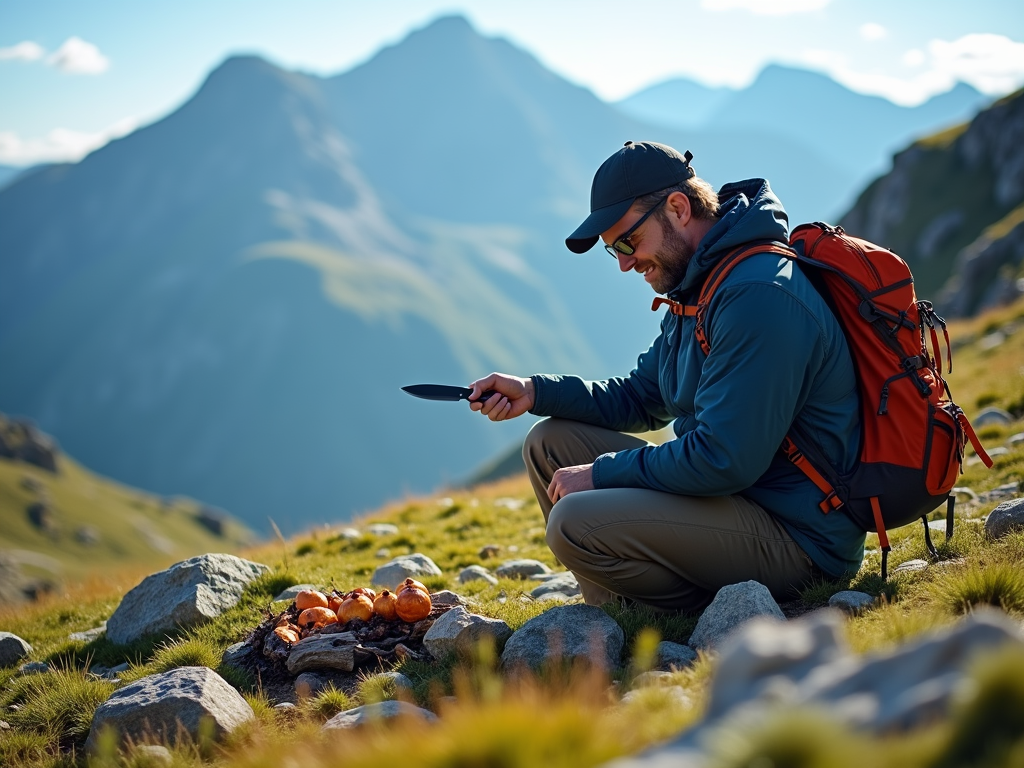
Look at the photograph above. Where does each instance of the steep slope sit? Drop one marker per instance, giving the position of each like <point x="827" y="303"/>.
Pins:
<point x="953" y="207"/>
<point x="58" y="521"/>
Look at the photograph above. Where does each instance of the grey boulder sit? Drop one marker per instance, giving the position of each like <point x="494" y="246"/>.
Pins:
<point x="521" y="569"/>
<point x="733" y="605"/>
<point x="382" y="529"/>
<point x="992" y="416"/>
<point x="806" y="665"/>
<point x="394" y="572"/>
<point x="561" y="583"/>
<point x="567" y="633"/>
<point x="88" y="635"/>
<point x="12" y="650"/>
<point x="186" y="594"/>
<point x="165" y="706"/>
<point x="476" y="573"/>
<point x="675" y="655"/>
<point x="293" y="591"/>
<point x="1007" y="517"/>
<point x="851" y="601"/>
<point x="370" y="713"/>
<point x="458" y="631"/>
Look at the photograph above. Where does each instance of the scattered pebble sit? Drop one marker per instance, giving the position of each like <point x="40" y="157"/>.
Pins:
<point x="965" y="491"/>
<point x="476" y="573"/>
<point x="910" y="566"/>
<point x="382" y="529"/>
<point x="34" y="668"/>
<point x="851" y="601"/>
<point x="153" y="754"/>
<point x="510" y="503"/>
<point x="992" y="416"/>
<point x="444" y="501"/>
<point x="383" y="553"/>
<point x="4" y="725"/>
<point x="348" y="534"/>
<point x="284" y="705"/>
<point x="1015" y="440"/>
<point x="488" y="551"/>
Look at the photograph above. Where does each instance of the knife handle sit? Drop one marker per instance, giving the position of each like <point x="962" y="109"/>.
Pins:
<point x="484" y="396"/>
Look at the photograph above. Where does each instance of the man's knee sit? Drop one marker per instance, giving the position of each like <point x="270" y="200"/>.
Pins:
<point x="539" y="435"/>
<point x="560" y="534"/>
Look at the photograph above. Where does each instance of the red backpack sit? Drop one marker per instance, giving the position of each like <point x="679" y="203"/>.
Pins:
<point x="912" y="433"/>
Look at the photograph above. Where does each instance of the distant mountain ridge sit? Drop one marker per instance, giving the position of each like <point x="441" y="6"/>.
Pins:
<point x="857" y="132"/>
<point x="226" y="302"/>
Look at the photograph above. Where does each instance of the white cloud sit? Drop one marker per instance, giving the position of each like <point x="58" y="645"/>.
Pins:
<point x="78" y="57"/>
<point x="872" y="31"/>
<point x="993" y="64"/>
<point x="60" y="144"/>
<point x="914" y="57"/>
<point x="765" y="7"/>
<point x="23" y="51"/>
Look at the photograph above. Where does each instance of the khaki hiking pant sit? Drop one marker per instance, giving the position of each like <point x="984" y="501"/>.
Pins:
<point x="669" y="551"/>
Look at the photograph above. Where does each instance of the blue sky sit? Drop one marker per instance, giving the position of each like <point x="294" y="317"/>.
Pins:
<point x="73" y="74"/>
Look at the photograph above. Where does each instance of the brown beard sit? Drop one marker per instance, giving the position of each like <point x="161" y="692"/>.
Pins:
<point x="673" y="257"/>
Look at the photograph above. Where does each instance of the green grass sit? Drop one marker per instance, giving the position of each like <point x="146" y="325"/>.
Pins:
<point x="567" y="717"/>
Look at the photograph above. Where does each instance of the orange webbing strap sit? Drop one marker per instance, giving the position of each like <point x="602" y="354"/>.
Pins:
<point x="935" y="348"/>
<point x="973" y="437"/>
<point x="673" y="306"/>
<point x="720" y="272"/>
<point x="883" y="538"/>
<point x="796" y="456"/>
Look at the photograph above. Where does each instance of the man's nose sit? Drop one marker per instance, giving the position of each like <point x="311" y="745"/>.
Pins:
<point x="626" y="263"/>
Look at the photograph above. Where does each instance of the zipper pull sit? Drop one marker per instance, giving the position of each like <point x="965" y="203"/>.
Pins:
<point x="883" y="404"/>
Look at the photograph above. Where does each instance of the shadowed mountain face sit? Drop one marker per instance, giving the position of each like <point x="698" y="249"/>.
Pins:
<point x="226" y="302"/>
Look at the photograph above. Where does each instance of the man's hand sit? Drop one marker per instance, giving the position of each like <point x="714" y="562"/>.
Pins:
<point x="514" y="396"/>
<point x="569" y="480"/>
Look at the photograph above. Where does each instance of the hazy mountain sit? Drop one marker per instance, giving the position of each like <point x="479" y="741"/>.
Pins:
<point x="953" y="207"/>
<point x="677" y="103"/>
<point x="856" y="132"/>
<point x="226" y="302"/>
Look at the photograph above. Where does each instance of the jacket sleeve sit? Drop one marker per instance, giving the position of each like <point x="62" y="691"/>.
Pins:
<point x="630" y="404"/>
<point x="766" y="347"/>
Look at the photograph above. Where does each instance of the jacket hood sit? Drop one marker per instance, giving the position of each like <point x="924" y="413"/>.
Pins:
<point x="749" y="211"/>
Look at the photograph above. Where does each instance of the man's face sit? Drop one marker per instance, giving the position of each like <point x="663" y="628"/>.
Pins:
<point x="662" y="253"/>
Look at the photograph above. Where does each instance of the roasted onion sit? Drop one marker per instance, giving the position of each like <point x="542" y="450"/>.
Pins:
<point x="385" y="605"/>
<point x="310" y="598"/>
<point x="356" y="607"/>
<point x="412" y="604"/>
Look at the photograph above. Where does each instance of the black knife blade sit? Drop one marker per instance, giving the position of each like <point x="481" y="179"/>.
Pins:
<point x="443" y="392"/>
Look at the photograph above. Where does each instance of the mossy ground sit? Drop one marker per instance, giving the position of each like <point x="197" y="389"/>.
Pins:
<point x="562" y="719"/>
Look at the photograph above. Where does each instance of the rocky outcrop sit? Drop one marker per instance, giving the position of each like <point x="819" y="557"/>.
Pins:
<point x="188" y="593"/>
<point x="164" y="707"/>
<point x="966" y="249"/>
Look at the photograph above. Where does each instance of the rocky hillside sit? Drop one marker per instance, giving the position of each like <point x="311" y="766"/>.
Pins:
<point x="60" y="523"/>
<point x="953" y="207"/>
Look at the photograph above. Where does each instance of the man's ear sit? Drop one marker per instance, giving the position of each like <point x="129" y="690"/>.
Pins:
<point x="677" y="206"/>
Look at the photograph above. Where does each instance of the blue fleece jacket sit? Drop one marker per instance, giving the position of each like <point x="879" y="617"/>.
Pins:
<point x="778" y="356"/>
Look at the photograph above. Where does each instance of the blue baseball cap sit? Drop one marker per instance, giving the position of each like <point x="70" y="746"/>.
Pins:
<point x="639" y="168"/>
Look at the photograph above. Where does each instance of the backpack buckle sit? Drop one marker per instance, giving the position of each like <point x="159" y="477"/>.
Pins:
<point x="830" y="502"/>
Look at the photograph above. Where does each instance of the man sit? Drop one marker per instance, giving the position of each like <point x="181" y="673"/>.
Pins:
<point x="670" y="525"/>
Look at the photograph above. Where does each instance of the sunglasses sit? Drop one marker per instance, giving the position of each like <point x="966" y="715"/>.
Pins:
<point x="622" y="244"/>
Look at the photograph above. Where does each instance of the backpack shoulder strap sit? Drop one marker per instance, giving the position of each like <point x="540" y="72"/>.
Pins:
<point x="718" y="274"/>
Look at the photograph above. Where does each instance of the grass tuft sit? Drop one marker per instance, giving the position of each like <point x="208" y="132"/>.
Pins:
<point x="328" y="703"/>
<point x="793" y="739"/>
<point x="1000" y="585"/>
<point x="190" y="652"/>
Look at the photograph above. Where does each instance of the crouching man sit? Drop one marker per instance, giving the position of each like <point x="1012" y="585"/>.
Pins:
<point x="669" y="525"/>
